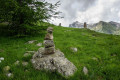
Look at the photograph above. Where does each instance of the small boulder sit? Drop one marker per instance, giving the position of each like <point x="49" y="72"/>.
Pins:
<point x="10" y="75"/>
<point x="2" y="58"/>
<point x="94" y="58"/>
<point x="49" y="50"/>
<point x="48" y="43"/>
<point x="27" y="55"/>
<point x="48" y="36"/>
<point x="50" y="29"/>
<point x="32" y="41"/>
<point x="6" y="69"/>
<point x="74" y="49"/>
<point x="85" y="70"/>
<point x="24" y="63"/>
<point x="17" y="62"/>
<point x="39" y="44"/>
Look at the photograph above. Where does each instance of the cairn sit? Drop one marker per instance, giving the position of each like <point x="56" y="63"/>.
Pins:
<point x="60" y="24"/>
<point x="85" y="25"/>
<point x="48" y="42"/>
<point x="52" y="60"/>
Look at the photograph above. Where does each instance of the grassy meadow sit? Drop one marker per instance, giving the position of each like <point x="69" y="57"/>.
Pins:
<point x="99" y="52"/>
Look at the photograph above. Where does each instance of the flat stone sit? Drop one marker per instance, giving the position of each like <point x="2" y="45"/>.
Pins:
<point x="27" y="54"/>
<point x="32" y="41"/>
<point x="10" y="75"/>
<point x="50" y="50"/>
<point x="85" y="70"/>
<point x="50" y="29"/>
<point x="39" y="44"/>
<point x="31" y="52"/>
<point x="48" y="36"/>
<point x="6" y="69"/>
<point x="24" y="63"/>
<point x="48" y="43"/>
<point x="74" y="49"/>
<point x="17" y="62"/>
<point x="1" y="58"/>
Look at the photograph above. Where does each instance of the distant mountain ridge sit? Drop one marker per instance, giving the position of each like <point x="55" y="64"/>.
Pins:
<point x="103" y="27"/>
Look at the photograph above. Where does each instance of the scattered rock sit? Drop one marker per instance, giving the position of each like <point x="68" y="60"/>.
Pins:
<point x="27" y="55"/>
<point x="53" y="62"/>
<point x="74" y="49"/>
<point x="31" y="52"/>
<point x="39" y="44"/>
<point x="94" y="58"/>
<point x="32" y="41"/>
<point x="2" y="58"/>
<point x="85" y="70"/>
<point x="17" y="62"/>
<point x="10" y="75"/>
<point x="24" y="63"/>
<point x="6" y="69"/>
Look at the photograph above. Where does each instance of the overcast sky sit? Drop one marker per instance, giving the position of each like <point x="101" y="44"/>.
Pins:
<point x="89" y="11"/>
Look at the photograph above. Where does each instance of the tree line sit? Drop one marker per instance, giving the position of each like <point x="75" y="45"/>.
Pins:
<point x="22" y="15"/>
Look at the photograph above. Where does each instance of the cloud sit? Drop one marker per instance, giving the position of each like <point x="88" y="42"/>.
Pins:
<point x="90" y="11"/>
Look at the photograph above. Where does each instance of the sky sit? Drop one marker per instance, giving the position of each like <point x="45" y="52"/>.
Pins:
<point x="90" y="11"/>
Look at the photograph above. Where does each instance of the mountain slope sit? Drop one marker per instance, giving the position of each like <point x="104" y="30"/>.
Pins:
<point x="102" y="27"/>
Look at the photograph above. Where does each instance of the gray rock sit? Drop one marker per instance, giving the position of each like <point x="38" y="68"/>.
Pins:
<point x="31" y="52"/>
<point x="85" y="70"/>
<point x="74" y="49"/>
<point x="2" y="58"/>
<point x="32" y="41"/>
<point x="17" y="62"/>
<point x="39" y="44"/>
<point x="24" y="63"/>
<point x="10" y="75"/>
<point x="94" y="58"/>
<point x="48" y="43"/>
<point x="49" y="50"/>
<point x="53" y="62"/>
<point x="50" y="29"/>
<point x="6" y="69"/>
<point x="48" y="36"/>
<point x="27" y="54"/>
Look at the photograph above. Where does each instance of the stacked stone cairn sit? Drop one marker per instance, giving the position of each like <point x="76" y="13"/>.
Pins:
<point x="48" y="42"/>
<point x="85" y="25"/>
<point x="52" y="60"/>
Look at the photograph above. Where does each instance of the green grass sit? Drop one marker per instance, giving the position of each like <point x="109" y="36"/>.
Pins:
<point x="90" y="44"/>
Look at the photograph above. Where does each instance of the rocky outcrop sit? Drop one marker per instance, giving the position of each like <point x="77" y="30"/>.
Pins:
<point x="49" y="59"/>
<point x="53" y="62"/>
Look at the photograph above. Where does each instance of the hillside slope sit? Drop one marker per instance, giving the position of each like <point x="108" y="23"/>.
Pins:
<point x="100" y="53"/>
